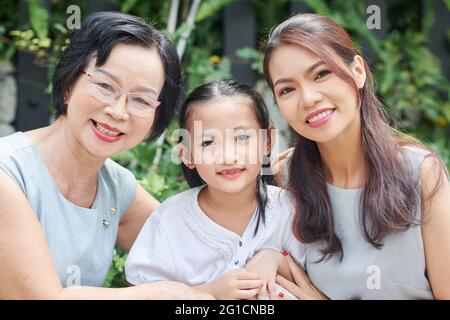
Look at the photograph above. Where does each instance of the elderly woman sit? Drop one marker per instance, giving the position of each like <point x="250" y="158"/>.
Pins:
<point x="64" y="204"/>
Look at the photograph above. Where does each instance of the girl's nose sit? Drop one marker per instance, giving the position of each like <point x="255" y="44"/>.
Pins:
<point x="229" y="153"/>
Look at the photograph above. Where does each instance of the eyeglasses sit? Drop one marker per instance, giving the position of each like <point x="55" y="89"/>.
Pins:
<point x="104" y="90"/>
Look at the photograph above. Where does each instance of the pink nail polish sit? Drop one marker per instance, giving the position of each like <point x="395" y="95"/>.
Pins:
<point x="281" y="295"/>
<point x="284" y="253"/>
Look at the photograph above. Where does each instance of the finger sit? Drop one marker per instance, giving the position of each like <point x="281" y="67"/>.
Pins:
<point x="272" y="290"/>
<point x="289" y="286"/>
<point x="289" y="297"/>
<point x="299" y="275"/>
<point x="284" y="154"/>
<point x="246" y="294"/>
<point x="279" y="159"/>
<point x="249" y="284"/>
<point x="262" y="293"/>
<point x="247" y="275"/>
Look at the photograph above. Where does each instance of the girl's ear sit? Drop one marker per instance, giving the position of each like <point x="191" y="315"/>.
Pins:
<point x="358" y="71"/>
<point x="184" y="155"/>
<point x="66" y="96"/>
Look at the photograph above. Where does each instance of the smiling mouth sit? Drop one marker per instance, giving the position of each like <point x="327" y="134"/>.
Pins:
<point x="320" y="116"/>
<point x="106" y="131"/>
<point x="230" y="171"/>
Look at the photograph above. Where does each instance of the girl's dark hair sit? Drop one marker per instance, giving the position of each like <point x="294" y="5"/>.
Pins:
<point x="219" y="90"/>
<point x="390" y="195"/>
<point x="98" y="35"/>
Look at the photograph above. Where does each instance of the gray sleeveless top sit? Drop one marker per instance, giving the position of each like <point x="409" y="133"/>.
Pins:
<point x="81" y="240"/>
<point x="397" y="271"/>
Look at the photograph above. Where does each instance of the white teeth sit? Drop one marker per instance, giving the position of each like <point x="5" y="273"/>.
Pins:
<point x="231" y="172"/>
<point x="106" y="131"/>
<point x="320" y="116"/>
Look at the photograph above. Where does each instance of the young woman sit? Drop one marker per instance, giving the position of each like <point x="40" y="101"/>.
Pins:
<point x="205" y="236"/>
<point x="64" y="204"/>
<point x="372" y="205"/>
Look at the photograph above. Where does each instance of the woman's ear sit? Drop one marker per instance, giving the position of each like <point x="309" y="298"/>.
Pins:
<point x="184" y="155"/>
<point x="358" y="70"/>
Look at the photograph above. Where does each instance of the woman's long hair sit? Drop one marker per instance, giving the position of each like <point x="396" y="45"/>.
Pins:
<point x="390" y="199"/>
<point x="228" y="89"/>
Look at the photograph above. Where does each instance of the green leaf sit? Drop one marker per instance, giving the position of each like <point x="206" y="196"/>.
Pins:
<point x="210" y="7"/>
<point x="38" y="18"/>
<point x="127" y="5"/>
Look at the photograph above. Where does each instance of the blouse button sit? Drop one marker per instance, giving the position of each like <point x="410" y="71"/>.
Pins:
<point x="106" y="223"/>
<point x="113" y="210"/>
<point x="236" y="262"/>
<point x="240" y="243"/>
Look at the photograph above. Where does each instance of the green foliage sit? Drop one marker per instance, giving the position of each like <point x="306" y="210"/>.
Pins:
<point x="38" y="18"/>
<point x="204" y="67"/>
<point x="209" y="8"/>
<point x="9" y="19"/>
<point x="253" y="55"/>
<point x="116" y="274"/>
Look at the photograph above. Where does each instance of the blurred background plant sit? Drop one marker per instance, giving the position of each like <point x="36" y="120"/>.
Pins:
<point x="409" y="77"/>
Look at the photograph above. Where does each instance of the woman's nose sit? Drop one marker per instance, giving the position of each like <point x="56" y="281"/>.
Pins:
<point x="118" y="109"/>
<point x="309" y="97"/>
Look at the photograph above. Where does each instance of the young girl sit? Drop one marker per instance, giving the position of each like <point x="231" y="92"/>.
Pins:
<point x="205" y="236"/>
<point x="372" y="205"/>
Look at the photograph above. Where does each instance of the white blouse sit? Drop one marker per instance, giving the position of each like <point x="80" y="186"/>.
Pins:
<point x="179" y="242"/>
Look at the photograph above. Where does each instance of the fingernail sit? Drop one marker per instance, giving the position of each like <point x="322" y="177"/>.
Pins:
<point x="284" y="253"/>
<point x="281" y="295"/>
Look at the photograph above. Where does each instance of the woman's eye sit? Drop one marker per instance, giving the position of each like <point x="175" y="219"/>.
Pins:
<point x="285" y="91"/>
<point x="105" y="86"/>
<point x="207" y="143"/>
<point x="322" y="74"/>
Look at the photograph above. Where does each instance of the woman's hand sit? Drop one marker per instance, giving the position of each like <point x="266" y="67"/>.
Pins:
<point x="278" y="164"/>
<point x="233" y="285"/>
<point x="303" y="288"/>
<point x="266" y="263"/>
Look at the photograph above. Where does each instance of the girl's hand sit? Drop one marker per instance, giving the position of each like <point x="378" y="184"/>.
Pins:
<point x="303" y="288"/>
<point x="266" y="263"/>
<point x="233" y="285"/>
<point x="278" y="164"/>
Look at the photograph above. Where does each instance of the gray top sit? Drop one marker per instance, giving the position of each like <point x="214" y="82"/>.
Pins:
<point x="397" y="271"/>
<point x="81" y="240"/>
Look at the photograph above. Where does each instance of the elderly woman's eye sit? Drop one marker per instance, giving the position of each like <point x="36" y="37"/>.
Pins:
<point x="105" y="86"/>
<point x="142" y="101"/>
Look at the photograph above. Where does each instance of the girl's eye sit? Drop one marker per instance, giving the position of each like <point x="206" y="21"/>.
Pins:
<point x="242" y="137"/>
<point x="206" y="143"/>
<point x="105" y="86"/>
<point x="322" y="74"/>
<point x="285" y="91"/>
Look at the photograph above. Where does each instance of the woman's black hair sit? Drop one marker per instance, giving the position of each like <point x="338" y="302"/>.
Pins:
<point x="98" y="35"/>
<point x="228" y="89"/>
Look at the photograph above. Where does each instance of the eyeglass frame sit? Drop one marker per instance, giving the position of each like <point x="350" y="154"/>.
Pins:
<point x="117" y="94"/>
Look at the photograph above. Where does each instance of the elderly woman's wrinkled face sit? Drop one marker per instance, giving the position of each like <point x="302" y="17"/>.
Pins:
<point x="111" y="108"/>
